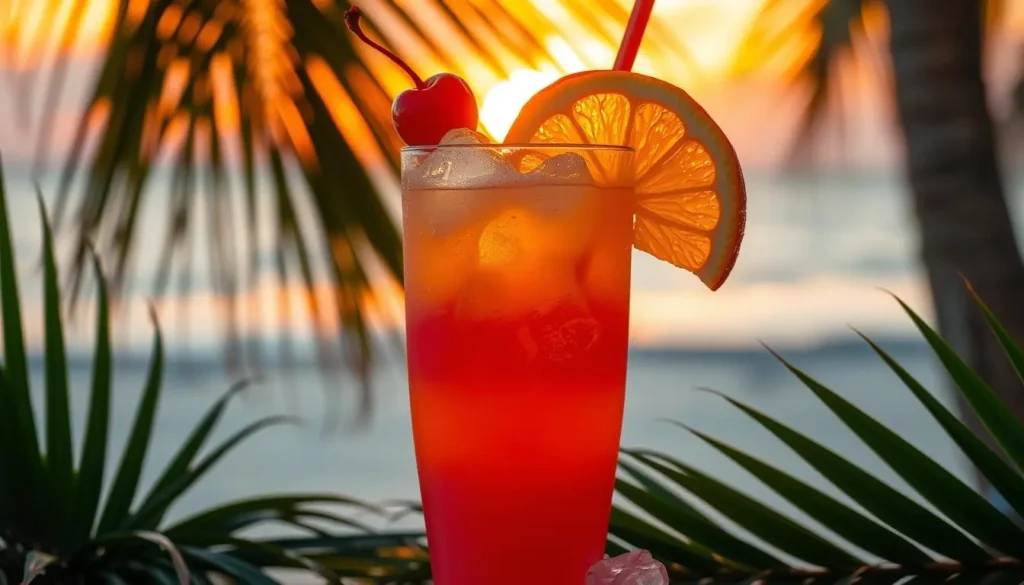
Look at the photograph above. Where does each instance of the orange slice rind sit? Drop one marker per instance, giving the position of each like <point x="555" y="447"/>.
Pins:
<point x="690" y="197"/>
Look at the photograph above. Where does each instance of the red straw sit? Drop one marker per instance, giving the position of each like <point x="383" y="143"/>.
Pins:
<point x="634" y="34"/>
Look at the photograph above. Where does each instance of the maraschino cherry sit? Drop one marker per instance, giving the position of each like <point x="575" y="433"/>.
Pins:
<point x="424" y="114"/>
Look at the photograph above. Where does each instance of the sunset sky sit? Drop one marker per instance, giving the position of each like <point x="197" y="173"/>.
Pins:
<point x="710" y="32"/>
<point x="757" y="108"/>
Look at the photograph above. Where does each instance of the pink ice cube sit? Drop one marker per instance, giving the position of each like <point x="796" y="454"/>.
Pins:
<point x="633" y="568"/>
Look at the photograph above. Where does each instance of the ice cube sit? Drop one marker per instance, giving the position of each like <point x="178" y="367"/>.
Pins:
<point x="538" y="228"/>
<point x="633" y="568"/>
<point x="519" y="238"/>
<point x="568" y="168"/>
<point x="565" y="198"/>
<point x="455" y="212"/>
<point x="462" y="168"/>
<point x="453" y="174"/>
<point x="436" y="267"/>
<point x="501" y="241"/>
<point x="563" y="332"/>
<point x="464" y="136"/>
<point x="562" y="170"/>
<point x="512" y="293"/>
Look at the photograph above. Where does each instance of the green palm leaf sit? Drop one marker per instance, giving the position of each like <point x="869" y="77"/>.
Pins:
<point x="1013" y="350"/>
<point x="1007" y="430"/>
<point x="126" y="481"/>
<point x="59" y="464"/>
<point x="892" y="525"/>
<point x="753" y="516"/>
<point x="48" y="522"/>
<point x="644" y="535"/>
<point x="182" y="461"/>
<point x="152" y="510"/>
<point x="275" y="556"/>
<point x="949" y="495"/>
<point x="887" y="504"/>
<point x="94" y="450"/>
<point x="7" y="491"/>
<point x="1007" y="481"/>
<point x="656" y="488"/>
<point x="243" y="514"/>
<point x="20" y="447"/>
<point x="664" y="505"/>
<point x="831" y="513"/>
<point x="354" y="546"/>
<point x="15" y="463"/>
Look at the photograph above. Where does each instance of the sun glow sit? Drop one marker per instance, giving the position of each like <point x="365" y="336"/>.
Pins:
<point x="503" y="101"/>
<point x="29" y="29"/>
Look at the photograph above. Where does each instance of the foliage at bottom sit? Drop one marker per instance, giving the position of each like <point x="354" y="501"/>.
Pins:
<point x="705" y="530"/>
<point x="59" y="525"/>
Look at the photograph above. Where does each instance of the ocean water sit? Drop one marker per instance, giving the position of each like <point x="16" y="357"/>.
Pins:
<point x="816" y="249"/>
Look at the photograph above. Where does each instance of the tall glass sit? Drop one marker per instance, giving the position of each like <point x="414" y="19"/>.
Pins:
<point x="517" y="311"/>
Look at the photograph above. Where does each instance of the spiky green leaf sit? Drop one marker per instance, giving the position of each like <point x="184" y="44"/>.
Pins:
<point x="60" y="487"/>
<point x="94" y="450"/>
<point x="151" y="510"/>
<point x="668" y="548"/>
<point x="887" y="504"/>
<point x="20" y="456"/>
<point x="239" y="515"/>
<point x="182" y="461"/>
<point x="964" y="506"/>
<point x="698" y="528"/>
<point x="1003" y="478"/>
<point x="831" y="513"/>
<point x="126" y="481"/>
<point x="753" y="516"/>
<point x="1013" y="349"/>
<point x="1007" y="430"/>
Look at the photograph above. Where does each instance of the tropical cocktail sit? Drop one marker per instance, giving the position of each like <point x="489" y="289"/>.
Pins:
<point x="517" y="270"/>
<point x="517" y="313"/>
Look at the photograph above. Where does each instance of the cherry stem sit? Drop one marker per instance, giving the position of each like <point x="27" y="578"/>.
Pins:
<point x="634" y="34"/>
<point x="352" y="16"/>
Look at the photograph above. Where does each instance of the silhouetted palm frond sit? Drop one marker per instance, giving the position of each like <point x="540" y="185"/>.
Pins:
<point x="272" y="129"/>
<point x="808" y="39"/>
<point x="812" y="40"/>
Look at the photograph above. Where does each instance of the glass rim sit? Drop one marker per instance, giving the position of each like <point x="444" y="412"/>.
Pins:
<point x="520" y="146"/>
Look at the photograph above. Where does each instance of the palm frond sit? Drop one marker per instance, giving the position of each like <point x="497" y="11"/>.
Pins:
<point x="129" y="472"/>
<point x="93" y="461"/>
<point x="19" y="445"/>
<point x="237" y="104"/>
<point x="808" y="39"/>
<point x="885" y="537"/>
<point x="52" y="525"/>
<point x="59" y="459"/>
<point x="814" y="40"/>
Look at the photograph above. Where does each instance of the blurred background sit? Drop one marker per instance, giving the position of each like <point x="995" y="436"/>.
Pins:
<point x="234" y="164"/>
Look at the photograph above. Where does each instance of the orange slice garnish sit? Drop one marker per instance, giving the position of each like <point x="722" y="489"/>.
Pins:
<point x="690" y="197"/>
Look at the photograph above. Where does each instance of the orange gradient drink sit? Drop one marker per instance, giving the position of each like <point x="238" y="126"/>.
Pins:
<point x="517" y="309"/>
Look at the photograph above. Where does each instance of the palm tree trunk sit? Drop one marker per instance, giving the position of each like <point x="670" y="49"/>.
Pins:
<point x="958" y="193"/>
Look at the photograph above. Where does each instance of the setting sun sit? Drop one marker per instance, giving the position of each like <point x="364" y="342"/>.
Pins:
<point x="503" y="101"/>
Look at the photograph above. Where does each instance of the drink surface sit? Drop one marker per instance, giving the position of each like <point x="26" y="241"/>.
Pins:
<point x="517" y="300"/>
